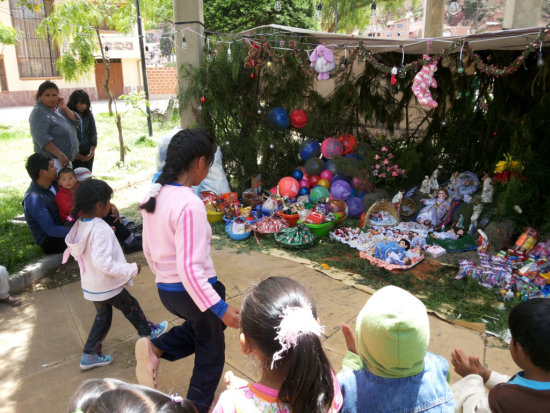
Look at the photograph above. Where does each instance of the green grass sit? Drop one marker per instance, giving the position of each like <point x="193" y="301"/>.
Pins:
<point x="16" y="244"/>
<point x="440" y="292"/>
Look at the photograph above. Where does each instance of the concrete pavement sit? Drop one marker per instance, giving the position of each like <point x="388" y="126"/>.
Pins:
<point x="41" y="341"/>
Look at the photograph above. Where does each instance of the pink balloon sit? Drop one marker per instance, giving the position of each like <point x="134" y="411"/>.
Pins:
<point x="273" y="190"/>
<point x="326" y="174"/>
<point x="304" y="183"/>
<point x="313" y="179"/>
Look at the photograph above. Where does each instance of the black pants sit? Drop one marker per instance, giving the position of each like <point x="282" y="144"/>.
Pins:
<point x="121" y="232"/>
<point x="202" y="334"/>
<point x="53" y="245"/>
<point x="128" y="305"/>
<point x="84" y="164"/>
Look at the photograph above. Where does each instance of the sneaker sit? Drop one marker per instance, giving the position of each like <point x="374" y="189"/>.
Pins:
<point x="157" y="329"/>
<point x="89" y="361"/>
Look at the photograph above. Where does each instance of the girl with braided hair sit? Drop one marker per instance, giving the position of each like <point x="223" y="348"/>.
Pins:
<point x="176" y="244"/>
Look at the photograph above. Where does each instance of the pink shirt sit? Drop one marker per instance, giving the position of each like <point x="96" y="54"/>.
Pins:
<point x="176" y="243"/>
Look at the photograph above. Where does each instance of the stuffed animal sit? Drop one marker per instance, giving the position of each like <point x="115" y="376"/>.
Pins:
<point x="422" y="83"/>
<point x="322" y="59"/>
<point x="253" y="60"/>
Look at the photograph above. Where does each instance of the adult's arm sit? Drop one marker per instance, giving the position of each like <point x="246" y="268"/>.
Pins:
<point x="42" y="216"/>
<point x="70" y="114"/>
<point x="57" y="153"/>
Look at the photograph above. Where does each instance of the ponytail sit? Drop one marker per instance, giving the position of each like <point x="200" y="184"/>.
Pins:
<point x="184" y="147"/>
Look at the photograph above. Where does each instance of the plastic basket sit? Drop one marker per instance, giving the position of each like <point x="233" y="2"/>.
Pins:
<point x="237" y="237"/>
<point x="292" y="219"/>
<point x="214" y="216"/>
<point x="320" y="230"/>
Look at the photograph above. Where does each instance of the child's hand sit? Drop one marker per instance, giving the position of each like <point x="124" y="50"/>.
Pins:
<point x="464" y="365"/>
<point x="349" y="336"/>
<point x="232" y="317"/>
<point x="139" y="268"/>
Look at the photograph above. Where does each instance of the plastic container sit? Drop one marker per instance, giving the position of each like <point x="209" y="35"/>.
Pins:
<point x="255" y="216"/>
<point x="320" y="230"/>
<point x="237" y="237"/>
<point x="214" y="216"/>
<point x="292" y="219"/>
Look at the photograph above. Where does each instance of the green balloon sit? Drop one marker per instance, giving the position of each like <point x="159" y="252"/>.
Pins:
<point x="319" y="193"/>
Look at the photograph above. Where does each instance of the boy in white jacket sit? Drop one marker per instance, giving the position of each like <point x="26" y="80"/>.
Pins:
<point x="103" y="271"/>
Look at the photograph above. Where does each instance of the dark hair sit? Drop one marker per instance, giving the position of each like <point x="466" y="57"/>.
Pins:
<point x="112" y="395"/>
<point x="308" y="386"/>
<point x="184" y="147"/>
<point x="79" y="96"/>
<point x="88" y="194"/>
<point x="35" y="163"/>
<point x="66" y="171"/>
<point x="407" y="243"/>
<point x="48" y="84"/>
<point x="529" y="324"/>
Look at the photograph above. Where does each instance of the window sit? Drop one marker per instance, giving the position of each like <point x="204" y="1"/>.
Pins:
<point x="399" y="25"/>
<point x="3" y="80"/>
<point x="35" y="56"/>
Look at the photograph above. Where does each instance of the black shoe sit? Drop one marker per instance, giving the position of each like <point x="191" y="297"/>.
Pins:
<point x="133" y="246"/>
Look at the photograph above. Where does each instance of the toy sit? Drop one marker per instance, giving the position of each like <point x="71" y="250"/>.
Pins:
<point x="331" y="147"/>
<point x="434" y="185"/>
<point x="425" y="185"/>
<point x="310" y="149"/>
<point x="488" y="190"/>
<point x="278" y="117"/>
<point x="326" y="174"/>
<point x="314" y="180"/>
<point x="483" y="241"/>
<point x="297" y="174"/>
<point x="340" y="190"/>
<point x="319" y="193"/>
<point x="288" y="186"/>
<point x="527" y="240"/>
<point x="422" y="83"/>
<point x="324" y="182"/>
<point x="349" y="143"/>
<point x="435" y="209"/>
<point x="304" y="183"/>
<point x="253" y="59"/>
<point x="314" y="166"/>
<point x="355" y="206"/>
<point x="322" y="59"/>
<point x="298" y="118"/>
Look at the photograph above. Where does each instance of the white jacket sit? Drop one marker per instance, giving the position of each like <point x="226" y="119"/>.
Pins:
<point x="103" y="267"/>
<point x="470" y="394"/>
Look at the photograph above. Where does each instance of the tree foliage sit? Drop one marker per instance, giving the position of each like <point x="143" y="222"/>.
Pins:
<point x="230" y="16"/>
<point x="7" y="34"/>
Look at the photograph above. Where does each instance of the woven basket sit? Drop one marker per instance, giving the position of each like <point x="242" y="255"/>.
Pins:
<point x="379" y="206"/>
<point x="407" y="208"/>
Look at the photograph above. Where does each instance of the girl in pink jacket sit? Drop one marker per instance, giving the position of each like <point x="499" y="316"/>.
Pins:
<point x="176" y="244"/>
<point x="103" y="270"/>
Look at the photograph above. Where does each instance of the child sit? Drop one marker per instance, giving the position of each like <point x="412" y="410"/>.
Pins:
<point x="279" y="327"/>
<point x="528" y="390"/>
<point x="112" y="395"/>
<point x="64" y="199"/>
<point x="387" y="367"/>
<point x="79" y="101"/>
<point x="176" y="244"/>
<point x="103" y="270"/>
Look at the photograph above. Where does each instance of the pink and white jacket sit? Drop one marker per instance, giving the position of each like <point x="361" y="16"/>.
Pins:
<point x="103" y="267"/>
<point x="176" y="243"/>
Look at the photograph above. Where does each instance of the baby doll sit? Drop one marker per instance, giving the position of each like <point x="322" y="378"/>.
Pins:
<point x="435" y="210"/>
<point x="450" y="234"/>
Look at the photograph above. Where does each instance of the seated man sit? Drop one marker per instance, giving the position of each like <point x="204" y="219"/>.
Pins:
<point x="40" y="208"/>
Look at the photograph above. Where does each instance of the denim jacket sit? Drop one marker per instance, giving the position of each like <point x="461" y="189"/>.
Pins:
<point x="428" y="391"/>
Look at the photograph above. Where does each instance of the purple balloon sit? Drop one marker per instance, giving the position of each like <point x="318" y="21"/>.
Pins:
<point x="341" y="178"/>
<point x="340" y="190"/>
<point x="355" y="206"/>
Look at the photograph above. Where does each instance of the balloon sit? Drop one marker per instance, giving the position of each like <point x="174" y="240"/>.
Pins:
<point x="278" y="117"/>
<point x="337" y="205"/>
<point x="349" y="143"/>
<point x="304" y="183"/>
<point x="310" y="149"/>
<point x="331" y="166"/>
<point x="324" y="182"/>
<point x="341" y="178"/>
<point x="331" y="147"/>
<point x="340" y="190"/>
<point x="273" y="190"/>
<point x="297" y="174"/>
<point x="314" y="166"/>
<point x="303" y="191"/>
<point x="313" y="180"/>
<point x="319" y="193"/>
<point x="298" y="118"/>
<point x="326" y="174"/>
<point x="288" y="186"/>
<point x="355" y="206"/>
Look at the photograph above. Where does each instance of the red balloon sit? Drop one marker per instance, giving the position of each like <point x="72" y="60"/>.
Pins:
<point x="288" y="186"/>
<point x="298" y="118"/>
<point x="349" y="143"/>
<point x="313" y="179"/>
<point x="304" y="183"/>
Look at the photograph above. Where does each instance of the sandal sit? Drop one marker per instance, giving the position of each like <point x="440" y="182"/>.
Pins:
<point x="11" y="301"/>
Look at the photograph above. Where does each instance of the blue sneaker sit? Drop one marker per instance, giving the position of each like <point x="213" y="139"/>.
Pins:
<point x="89" y="361"/>
<point x="157" y="329"/>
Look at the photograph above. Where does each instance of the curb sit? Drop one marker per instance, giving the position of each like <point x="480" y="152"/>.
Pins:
<point x="32" y="272"/>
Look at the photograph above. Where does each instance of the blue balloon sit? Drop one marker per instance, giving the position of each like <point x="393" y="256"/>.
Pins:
<point x="310" y="149"/>
<point x="279" y="117"/>
<point x="303" y="191"/>
<point x="297" y="174"/>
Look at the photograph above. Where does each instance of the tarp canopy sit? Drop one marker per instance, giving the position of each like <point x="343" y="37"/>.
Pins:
<point x="515" y="39"/>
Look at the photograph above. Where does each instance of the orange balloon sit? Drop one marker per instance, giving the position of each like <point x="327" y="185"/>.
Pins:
<point x="324" y="182"/>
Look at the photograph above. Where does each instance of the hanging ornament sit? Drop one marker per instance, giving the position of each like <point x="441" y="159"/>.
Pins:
<point x="460" y="69"/>
<point x="278" y="117"/>
<point x="262" y="103"/>
<point x="252" y="76"/>
<point x="318" y="12"/>
<point x="229" y="56"/>
<point x="423" y="81"/>
<point x="271" y="146"/>
<point x="209" y="54"/>
<point x="540" y="60"/>
<point x="227" y="143"/>
<point x="278" y="6"/>
<point x="402" y="73"/>
<point x="203" y="99"/>
<point x="322" y="59"/>
<point x="393" y="80"/>
<point x="269" y="62"/>
<point x="345" y="60"/>
<point x="259" y="111"/>
<point x="298" y="118"/>
<point x="199" y="108"/>
<point x="443" y="123"/>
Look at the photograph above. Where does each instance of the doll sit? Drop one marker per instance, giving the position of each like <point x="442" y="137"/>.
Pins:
<point x="488" y="190"/>
<point x="434" y="185"/>
<point x="435" y="209"/>
<point x="425" y="186"/>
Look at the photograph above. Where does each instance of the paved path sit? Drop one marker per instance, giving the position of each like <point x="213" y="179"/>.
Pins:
<point x="41" y="342"/>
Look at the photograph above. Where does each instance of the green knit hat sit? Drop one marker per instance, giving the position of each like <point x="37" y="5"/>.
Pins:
<point x="392" y="333"/>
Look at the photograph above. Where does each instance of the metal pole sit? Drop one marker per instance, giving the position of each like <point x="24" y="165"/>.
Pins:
<point x="143" y="70"/>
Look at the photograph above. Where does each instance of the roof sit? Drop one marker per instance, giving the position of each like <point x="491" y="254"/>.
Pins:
<point x="514" y="39"/>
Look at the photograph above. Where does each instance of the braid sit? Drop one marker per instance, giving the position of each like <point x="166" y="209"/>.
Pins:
<point x="184" y="147"/>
